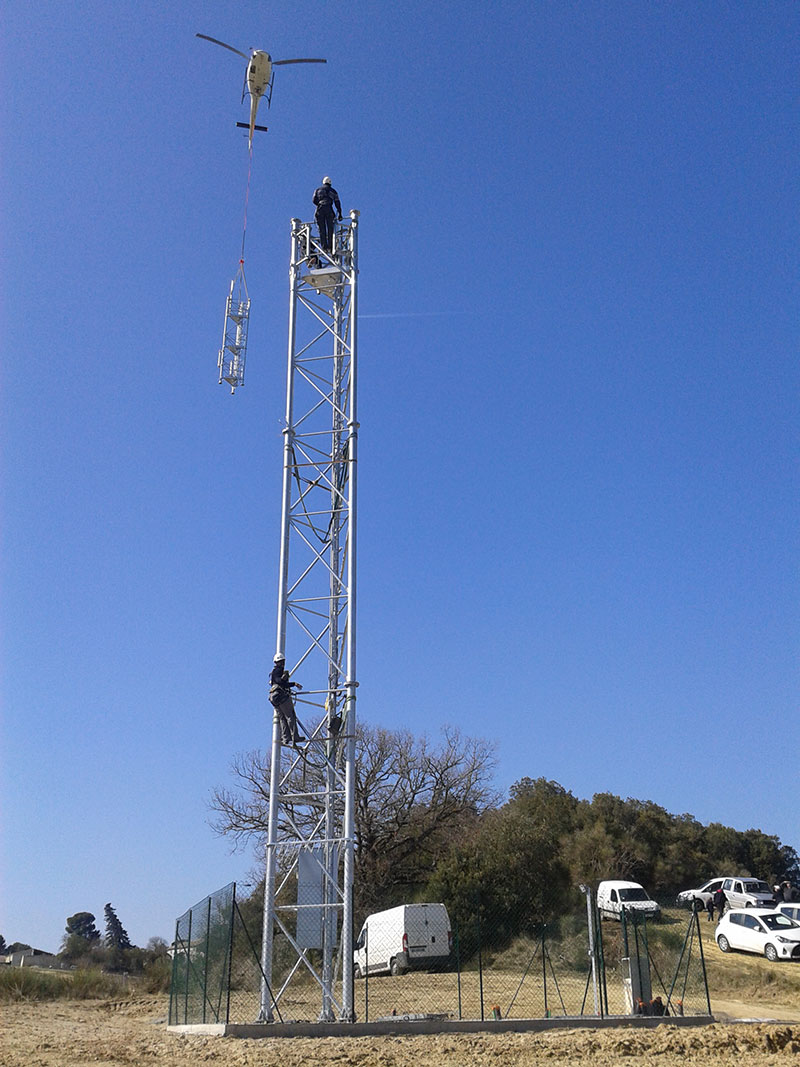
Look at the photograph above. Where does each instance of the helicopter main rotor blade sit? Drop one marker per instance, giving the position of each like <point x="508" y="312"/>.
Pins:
<point x="283" y="62"/>
<point x="222" y="45"/>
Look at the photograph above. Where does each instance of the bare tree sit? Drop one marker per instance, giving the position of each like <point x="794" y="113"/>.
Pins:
<point x="413" y="799"/>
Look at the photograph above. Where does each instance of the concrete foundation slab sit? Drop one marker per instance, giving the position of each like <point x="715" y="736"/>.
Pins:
<point x="400" y="1026"/>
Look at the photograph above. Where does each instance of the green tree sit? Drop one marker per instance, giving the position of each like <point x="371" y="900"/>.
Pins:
<point x="682" y="859"/>
<point x="82" y="935"/>
<point x="81" y="924"/>
<point x="593" y="854"/>
<point x="790" y="864"/>
<point x="508" y="877"/>
<point x="413" y="798"/>
<point x="116" y="935"/>
<point x="3" y="947"/>
<point x="548" y="802"/>
<point x="725" y="850"/>
<point x="119" y="954"/>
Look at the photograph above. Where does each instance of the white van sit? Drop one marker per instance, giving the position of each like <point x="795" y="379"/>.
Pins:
<point x="408" y="937"/>
<point x="613" y="896"/>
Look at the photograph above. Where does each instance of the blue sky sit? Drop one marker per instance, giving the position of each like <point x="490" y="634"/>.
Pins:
<point x="578" y="406"/>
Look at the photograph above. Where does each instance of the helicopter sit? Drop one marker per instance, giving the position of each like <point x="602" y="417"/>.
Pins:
<point x="258" y="78"/>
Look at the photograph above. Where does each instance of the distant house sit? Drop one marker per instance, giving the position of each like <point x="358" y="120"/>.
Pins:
<point x="33" y="957"/>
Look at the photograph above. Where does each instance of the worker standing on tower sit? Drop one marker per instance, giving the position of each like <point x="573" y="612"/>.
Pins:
<point x="280" y="696"/>
<point x="325" y="199"/>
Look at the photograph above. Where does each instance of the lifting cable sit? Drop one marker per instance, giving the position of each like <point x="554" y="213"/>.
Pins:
<point x="246" y="199"/>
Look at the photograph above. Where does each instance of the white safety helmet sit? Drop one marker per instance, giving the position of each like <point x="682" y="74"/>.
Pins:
<point x="326" y="181"/>
<point x="279" y="657"/>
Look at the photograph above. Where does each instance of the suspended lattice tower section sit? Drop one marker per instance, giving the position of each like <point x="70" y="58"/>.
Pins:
<point x="234" y="334"/>
<point x="307" y="947"/>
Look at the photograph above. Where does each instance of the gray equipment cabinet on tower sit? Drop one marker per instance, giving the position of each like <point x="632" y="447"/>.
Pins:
<point x="307" y="946"/>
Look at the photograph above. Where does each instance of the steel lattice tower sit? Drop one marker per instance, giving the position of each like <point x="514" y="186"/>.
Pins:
<point x="310" y="842"/>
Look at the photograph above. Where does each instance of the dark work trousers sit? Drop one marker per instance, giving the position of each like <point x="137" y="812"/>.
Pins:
<point x="287" y="721"/>
<point x="326" y="218"/>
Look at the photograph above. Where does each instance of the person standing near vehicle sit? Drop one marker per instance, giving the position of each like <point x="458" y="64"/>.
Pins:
<point x="280" y="696"/>
<point x="710" y="907"/>
<point x="719" y="901"/>
<point x="325" y="199"/>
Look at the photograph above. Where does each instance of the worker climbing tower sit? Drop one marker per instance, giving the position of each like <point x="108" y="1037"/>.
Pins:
<point x="307" y="946"/>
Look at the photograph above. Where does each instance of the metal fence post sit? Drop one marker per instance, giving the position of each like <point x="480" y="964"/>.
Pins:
<point x="366" y="974"/>
<point x="458" y="970"/>
<point x="480" y="978"/>
<point x="188" y="967"/>
<point x="231" y="942"/>
<point x="544" y="975"/>
<point x="623" y="925"/>
<point x="703" y="962"/>
<point x="480" y="960"/>
<point x="602" y="957"/>
<point x="173" y="987"/>
<point x="205" y="961"/>
<point x="587" y="890"/>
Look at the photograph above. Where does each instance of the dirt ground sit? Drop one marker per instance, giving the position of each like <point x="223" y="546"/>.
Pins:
<point x="118" y="1034"/>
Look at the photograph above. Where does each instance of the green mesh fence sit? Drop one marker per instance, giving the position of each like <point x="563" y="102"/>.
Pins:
<point x="654" y="968"/>
<point x="214" y="963"/>
<point x="486" y="968"/>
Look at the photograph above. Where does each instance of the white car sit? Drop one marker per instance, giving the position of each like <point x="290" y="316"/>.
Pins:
<point x="698" y="898"/>
<point x="792" y="910"/>
<point x="769" y="933"/>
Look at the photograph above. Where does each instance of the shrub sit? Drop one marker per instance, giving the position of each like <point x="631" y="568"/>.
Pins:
<point x="90" y="984"/>
<point x="19" y="983"/>
<point x="23" y="983"/>
<point x="157" y="975"/>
